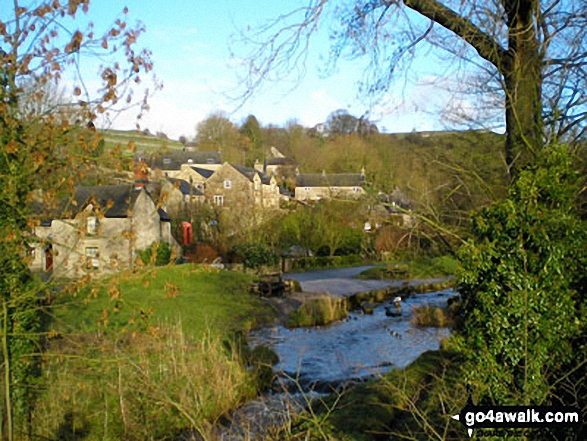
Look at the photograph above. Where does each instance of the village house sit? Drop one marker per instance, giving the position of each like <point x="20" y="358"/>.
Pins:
<point x="100" y="231"/>
<point x="177" y="195"/>
<point x="277" y="165"/>
<point x="316" y="186"/>
<point x="236" y="186"/>
<point x="182" y="164"/>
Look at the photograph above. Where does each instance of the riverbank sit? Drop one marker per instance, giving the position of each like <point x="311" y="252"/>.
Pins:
<point x="150" y="354"/>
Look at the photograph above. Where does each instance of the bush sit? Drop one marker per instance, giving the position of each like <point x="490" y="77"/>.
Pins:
<point x="254" y="255"/>
<point x="523" y="286"/>
<point x="157" y="254"/>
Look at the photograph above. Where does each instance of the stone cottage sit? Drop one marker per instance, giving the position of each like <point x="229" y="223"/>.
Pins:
<point x="316" y="186"/>
<point x="243" y="187"/>
<point x="100" y="231"/>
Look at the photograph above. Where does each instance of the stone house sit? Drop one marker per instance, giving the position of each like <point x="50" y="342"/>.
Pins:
<point x="100" y="231"/>
<point x="316" y="186"/>
<point x="176" y="195"/>
<point x="236" y="186"/>
<point x="175" y="164"/>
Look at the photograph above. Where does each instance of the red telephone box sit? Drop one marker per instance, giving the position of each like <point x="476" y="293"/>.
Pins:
<point x="187" y="233"/>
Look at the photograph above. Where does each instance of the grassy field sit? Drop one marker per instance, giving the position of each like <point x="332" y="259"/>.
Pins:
<point x="114" y="138"/>
<point x="202" y="300"/>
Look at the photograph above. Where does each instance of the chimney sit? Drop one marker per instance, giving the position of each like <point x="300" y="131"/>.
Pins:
<point x="141" y="174"/>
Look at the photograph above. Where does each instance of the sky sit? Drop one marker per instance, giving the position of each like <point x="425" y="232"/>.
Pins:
<point x="190" y="40"/>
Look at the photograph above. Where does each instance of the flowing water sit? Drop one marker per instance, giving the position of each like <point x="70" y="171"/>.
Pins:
<point x="357" y="348"/>
<point x="321" y="359"/>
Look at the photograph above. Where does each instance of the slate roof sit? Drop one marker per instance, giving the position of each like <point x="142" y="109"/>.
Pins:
<point x="185" y="187"/>
<point x="205" y="173"/>
<point x="250" y="173"/>
<point x="330" y="180"/>
<point x="174" y="160"/>
<point x="280" y="161"/>
<point x="116" y="201"/>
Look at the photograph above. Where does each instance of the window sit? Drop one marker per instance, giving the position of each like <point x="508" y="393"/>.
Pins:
<point x="92" y="225"/>
<point x="227" y="183"/>
<point x="307" y="189"/>
<point x="335" y="189"/>
<point x="218" y="200"/>
<point x="166" y="161"/>
<point x="210" y="161"/>
<point x="356" y="189"/>
<point x="92" y="255"/>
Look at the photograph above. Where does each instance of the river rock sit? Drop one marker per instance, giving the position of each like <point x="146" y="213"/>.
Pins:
<point x="367" y="307"/>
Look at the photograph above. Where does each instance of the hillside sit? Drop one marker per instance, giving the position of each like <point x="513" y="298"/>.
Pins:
<point x="142" y="141"/>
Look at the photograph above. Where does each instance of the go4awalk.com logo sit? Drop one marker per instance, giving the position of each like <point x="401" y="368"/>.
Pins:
<point x="517" y="417"/>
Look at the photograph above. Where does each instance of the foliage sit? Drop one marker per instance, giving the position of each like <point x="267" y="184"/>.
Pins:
<point x="46" y="148"/>
<point x="523" y="286"/>
<point x="255" y="255"/>
<point x="218" y="133"/>
<point x="158" y="254"/>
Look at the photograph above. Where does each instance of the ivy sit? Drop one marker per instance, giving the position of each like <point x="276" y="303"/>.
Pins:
<point x="522" y="285"/>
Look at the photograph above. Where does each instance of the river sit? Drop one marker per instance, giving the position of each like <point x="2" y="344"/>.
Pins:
<point x="320" y="359"/>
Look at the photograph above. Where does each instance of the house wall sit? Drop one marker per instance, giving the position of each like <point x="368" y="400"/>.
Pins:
<point x="315" y="193"/>
<point x="240" y="192"/>
<point x="70" y="239"/>
<point x="117" y="241"/>
<point x="186" y="173"/>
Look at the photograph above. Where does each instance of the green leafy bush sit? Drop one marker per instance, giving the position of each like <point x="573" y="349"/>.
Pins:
<point x="159" y="253"/>
<point x="254" y="255"/>
<point x="523" y="286"/>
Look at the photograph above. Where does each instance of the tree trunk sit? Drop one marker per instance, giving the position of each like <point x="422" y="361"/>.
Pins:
<point x="522" y="72"/>
<point x="520" y="65"/>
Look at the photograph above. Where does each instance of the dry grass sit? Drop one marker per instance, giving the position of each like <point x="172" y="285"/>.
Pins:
<point x="432" y="316"/>
<point x="152" y="385"/>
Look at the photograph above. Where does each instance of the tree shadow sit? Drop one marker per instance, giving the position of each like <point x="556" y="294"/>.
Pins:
<point x="72" y="430"/>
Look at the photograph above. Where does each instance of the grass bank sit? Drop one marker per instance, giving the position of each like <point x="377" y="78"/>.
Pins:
<point x="148" y="355"/>
<point x="413" y="268"/>
<point x="411" y="403"/>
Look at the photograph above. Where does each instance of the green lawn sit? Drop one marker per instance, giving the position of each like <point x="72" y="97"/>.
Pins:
<point x="413" y="268"/>
<point x="143" y="142"/>
<point x="200" y="299"/>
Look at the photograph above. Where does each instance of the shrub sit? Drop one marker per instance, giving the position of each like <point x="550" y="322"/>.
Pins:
<point x="523" y="286"/>
<point x="159" y="253"/>
<point x="254" y="255"/>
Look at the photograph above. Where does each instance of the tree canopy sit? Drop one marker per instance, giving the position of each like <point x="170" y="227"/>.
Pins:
<point x="531" y="53"/>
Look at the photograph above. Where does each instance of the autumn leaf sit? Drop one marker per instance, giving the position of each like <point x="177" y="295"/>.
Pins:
<point x="11" y="147"/>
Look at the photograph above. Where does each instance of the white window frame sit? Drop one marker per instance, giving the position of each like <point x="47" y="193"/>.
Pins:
<point x="92" y="254"/>
<point x="356" y="189"/>
<point x="227" y="183"/>
<point x="166" y="161"/>
<point x="219" y="200"/>
<point x="92" y="225"/>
